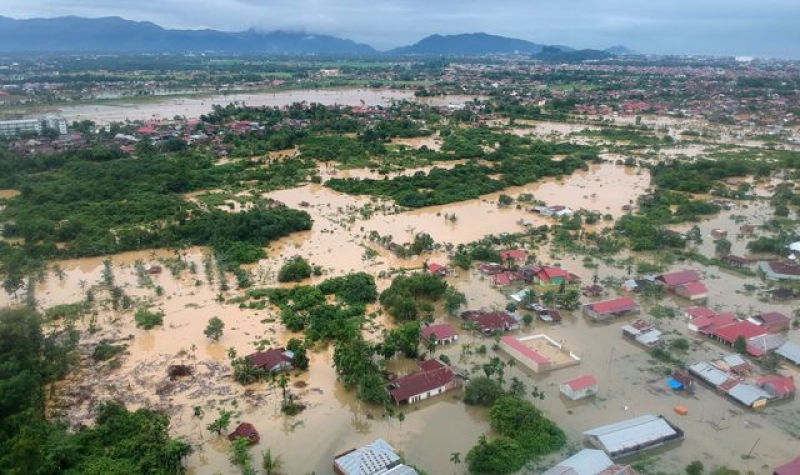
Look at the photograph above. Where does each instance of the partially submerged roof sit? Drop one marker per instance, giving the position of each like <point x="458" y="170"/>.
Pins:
<point x="585" y="462"/>
<point x="709" y="373"/>
<point x="680" y="277"/>
<point x="583" y="382"/>
<point x="791" y="351"/>
<point x="370" y="459"/>
<point x="440" y="331"/>
<point x="624" y="304"/>
<point x="748" y="394"/>
<point x="790" y="468"/>
<point x="640" y="431"/>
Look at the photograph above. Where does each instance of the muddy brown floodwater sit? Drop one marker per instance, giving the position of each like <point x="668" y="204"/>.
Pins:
<point x="717" y="431"/>
<point x="193" y="107"/>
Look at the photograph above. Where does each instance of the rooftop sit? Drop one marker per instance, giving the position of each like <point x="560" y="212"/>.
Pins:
<point x="583" y="382"/>
<point x="680" y="277"/>
<point x="642" y="431"/>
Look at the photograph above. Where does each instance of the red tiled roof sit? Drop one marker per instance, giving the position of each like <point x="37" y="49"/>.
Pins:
<point x="781" y="384"/>
<point x="270" y="358"/>
<point x="694" y="288"/>
<point x="246" y="430"/>
<point x="730" y="333"/>
<point x="624" y="304"/>
<point x="418" y="383"/>
<point x="680" y="277"/>
<point x="700" y="312"/>
<point x="502" y="279"/>
<point x="493" y="321"/>
<point x="440" y="332"/>
<point x="719" y="321"/>
<point x="786" y="269"/>
<point x="524" y="350"/>
<point x="434" y="268"/>
<point x="547" y="273"/>
<point x="773" y="319"/>
<point x="430" y="365"/>
<point x="585" y="381"/>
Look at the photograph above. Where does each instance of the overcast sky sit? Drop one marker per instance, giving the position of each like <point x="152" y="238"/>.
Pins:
<point x="767" y="28"/>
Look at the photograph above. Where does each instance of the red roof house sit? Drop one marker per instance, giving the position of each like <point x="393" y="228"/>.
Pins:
<point x="548" y="275"/>
<point x="274" y="359"/>
<point x="493" y="322"/>
<point x="434" y="378"/>
<point x="442" y="333"/>
<point x="579" y="388"/>
<point x="674" y="279"/>
<point x="611" y="308"/>
<point x="692" y="291"/>
<point x="778" y="386"/>
<point x="773" y="321"/>
<point x="245" y="430"/>
<point x="437" y="269"/>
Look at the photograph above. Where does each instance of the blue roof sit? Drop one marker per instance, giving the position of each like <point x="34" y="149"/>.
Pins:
<point x="675" y="384"/>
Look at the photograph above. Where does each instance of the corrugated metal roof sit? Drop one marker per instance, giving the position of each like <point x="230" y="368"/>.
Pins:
<point x="791" y="351"/>
<point x="401" y="470"/>
<point x="709" y="373"/>
<point x="371" y="459"/>
<point x="639" y="431"/>
<point x="585" y="462"/>
<point x="748" y="394"/>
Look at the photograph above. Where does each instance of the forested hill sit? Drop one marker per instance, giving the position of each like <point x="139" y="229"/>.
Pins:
<point x="114" y="34"/>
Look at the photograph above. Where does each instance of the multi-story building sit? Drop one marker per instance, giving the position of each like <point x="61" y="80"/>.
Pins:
<point x="13" y="128"/>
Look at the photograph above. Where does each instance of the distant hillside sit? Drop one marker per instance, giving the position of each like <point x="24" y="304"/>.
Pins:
<point x="552" y="54"/>
<point x="472" y="44"/>
<point x="619" y="50"/>
<point x="114" y="34"/>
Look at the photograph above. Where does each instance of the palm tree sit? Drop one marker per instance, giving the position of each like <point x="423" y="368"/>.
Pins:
<point x="272" y="464"/>
<point x="455" y="457"/>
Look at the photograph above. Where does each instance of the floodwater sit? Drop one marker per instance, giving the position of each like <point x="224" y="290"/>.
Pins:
<point x="193" y="107"/>
<point x="718" y="432"/>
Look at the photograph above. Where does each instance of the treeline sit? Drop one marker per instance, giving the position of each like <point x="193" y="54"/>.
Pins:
<point x="120" y="442"/>
<point x="92" y="202"/>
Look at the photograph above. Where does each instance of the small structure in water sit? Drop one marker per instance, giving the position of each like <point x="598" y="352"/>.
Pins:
<point x="245" y="430"/>
<point x="633" y="436"/>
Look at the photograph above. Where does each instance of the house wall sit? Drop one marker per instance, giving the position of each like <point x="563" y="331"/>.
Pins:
<point x="575" y="395"/>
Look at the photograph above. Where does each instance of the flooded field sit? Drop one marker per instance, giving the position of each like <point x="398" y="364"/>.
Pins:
<point x="193" y="107"/>
<point x="631" y="382"/>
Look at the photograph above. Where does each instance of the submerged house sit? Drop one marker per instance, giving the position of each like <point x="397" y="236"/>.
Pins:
<point x="490" y="323"/>
<point x="273" y="360"/>
<point x="609" y="309"/>
<point x="434" y="378"/>
<point x="642" y="333"/>
<point x="579" y="388"/>
<point x="590" y="462"/>
<point x="441" y="334"/>
<point x="633" y="436"/>
<point x="245" y="430"/>
<point x="377" y="458"/>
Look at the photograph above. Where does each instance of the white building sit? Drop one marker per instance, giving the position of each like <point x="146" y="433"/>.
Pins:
<point x="13" y="128"/>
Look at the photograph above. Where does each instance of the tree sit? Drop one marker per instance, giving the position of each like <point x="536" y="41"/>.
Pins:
<point x="455" y="457"/>
<point x="740" y="345"/>
<point x="221" y="423"/>
<point x="298" y="347"/>
<point x="240" y="452"/>
<point x="271" y="463"/>
<point x="722" y="247"/>
<point x="214" y="328"/>
<point x="500" y="456"/>
<point x="695" y="468"/>
<point x="453" y="300"/>
<point x="482" y="391"/>
<point x="295" y="270"/>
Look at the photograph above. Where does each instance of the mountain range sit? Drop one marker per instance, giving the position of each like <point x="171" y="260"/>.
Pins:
<point x="117" y="35"/>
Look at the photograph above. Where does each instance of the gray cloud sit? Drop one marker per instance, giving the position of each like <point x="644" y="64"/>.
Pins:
<point x="762" y="28"/>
